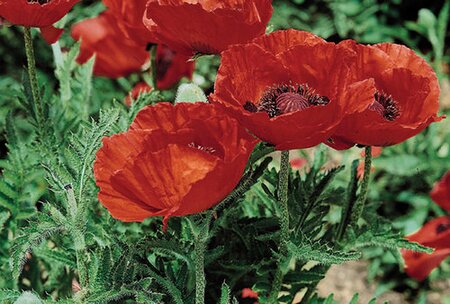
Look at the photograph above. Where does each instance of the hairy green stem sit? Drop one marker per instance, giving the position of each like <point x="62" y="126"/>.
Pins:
<point x="200" y="281"/>
<point x="154" y="67"/>
<point x="347" y="209"/>
<point x="78" y="239"/>
<point x="364" y="186"/>
<point x="201" y="233"/>
<point x="38" y="108"/>
<point x="283" y="183"/>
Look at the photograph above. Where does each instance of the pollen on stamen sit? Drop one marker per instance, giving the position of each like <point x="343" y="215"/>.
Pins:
<point x="41" y="2"/>
<point x="286" y="98"/>
<point x="209" y="150"/>
<point x="386" y="106"/>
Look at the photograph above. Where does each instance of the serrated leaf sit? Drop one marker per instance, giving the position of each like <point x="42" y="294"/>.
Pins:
<point x="57" y="256"/>
<point x="4" y="216"/>
<point x="30" y="237"/>
<point x="108" y="296"/>
<point x="303" y="277"/>
<point x="383" y="235"/>
<point x="308" y="250"/>
<point x="225" y="294"/>
<point x="8" y="295"/>
<point x="169" y="286"/>
<point x="354" y="300"/>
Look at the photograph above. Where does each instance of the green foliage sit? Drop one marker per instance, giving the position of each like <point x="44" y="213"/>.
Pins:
<point x="306" y="250"/>
<point x="43" y="228"/>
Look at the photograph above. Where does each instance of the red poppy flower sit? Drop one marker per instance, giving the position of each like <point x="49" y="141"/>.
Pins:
<point x="129" y="14"/>
<point x="434" y="234"/>
<point x="376" y="151"/>
<point x="441" y="192"/>
<point x="171" y="67"/>
<point x="206" y="27"/>
<point x="174" y="161"/>
<point x="116" y="55"/>
<point x="37" y="13"/>
<point x="248" y="293"/>
<point x="289" y="88"/>
<point x="298" y="162"/>
<point x="139" y="88"/>
<point x="406" y="98"/>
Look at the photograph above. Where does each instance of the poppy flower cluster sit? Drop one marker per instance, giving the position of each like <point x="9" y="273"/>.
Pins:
<point x="295" y="90"/>
<point x="434" y="234"/>
<point x="119" y="40"/>
<point x="37" y="13"/>
<point x="174" y="161"/>
<point x="116" y="56"/>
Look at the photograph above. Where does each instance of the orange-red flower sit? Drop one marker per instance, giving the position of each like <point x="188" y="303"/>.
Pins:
<point x="171" y="67"/>
<point x="406" y="98"/>
<point x="129" y="14"/>
<point x="139" y="88"/>
<point x="37" y="13"/>
<point x="289" y="88"/>
<point x="441" y="192"/>
<point x="174" y="161"/>
<point x="434" y="234"/>
<point x="116" y="55"/>
<point x="376" y="151"/>
<point x="248" y="293"/>
<point x="206" y="26"/>
<point x="298" y="162"/>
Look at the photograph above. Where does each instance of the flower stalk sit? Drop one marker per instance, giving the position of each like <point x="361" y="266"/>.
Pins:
<point x="364" y="186"/>
<point x="201" y="238"/>
<point x="283" y="185"/>
<point x="154" y="66"/>
<point x="32" y="75"/>
<point x="77" y="236"/>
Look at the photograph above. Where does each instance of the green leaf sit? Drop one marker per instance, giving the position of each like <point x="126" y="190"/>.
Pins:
<point x="169" y="286"/>
<point x="307" y="250"/>
<point x="64" y="73"/>
<point x="354" y="300"/>
<point x="29" y="238"/>
<point x="4" y="216"/>
<point x="109" y="296"/>
<point x="8" y="295"/>
<point x="324" y="181"/>
<point x="57" y="256"/>
<point x="225" y="294"/>
<point x="303" y="277"/>
<point x="443" y="21"/>
<point x="382" y="235"/>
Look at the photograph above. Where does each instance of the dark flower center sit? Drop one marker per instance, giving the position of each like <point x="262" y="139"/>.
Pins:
<point x="41" y="2"/>
<point x="209" y="150"/>
<point x="287" y="98"/>
<point x="442" y="228"/>
<point x="386" y="106"/>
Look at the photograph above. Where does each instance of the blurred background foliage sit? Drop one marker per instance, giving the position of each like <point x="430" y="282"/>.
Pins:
<point x="404" y="174"/>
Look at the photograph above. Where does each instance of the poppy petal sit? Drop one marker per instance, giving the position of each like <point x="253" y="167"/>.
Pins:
<point x="51" y="34"/>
